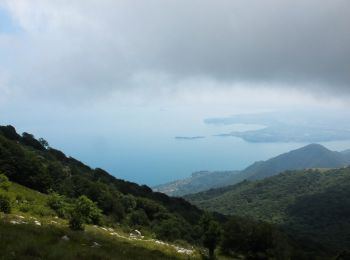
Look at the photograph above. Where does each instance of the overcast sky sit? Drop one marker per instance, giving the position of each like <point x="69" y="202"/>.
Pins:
<point x="94" y="48"/>
<point x="65" y="62"/>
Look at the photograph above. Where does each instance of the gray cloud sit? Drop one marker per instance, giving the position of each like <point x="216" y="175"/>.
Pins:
<point x="98" y="46"/>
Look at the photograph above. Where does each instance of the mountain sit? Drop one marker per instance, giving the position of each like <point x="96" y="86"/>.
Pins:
<point x="346" y="152"/>
<point x="310" y="156"/>
<point x="199" y="181"/>
<point x="32" y="163"/>
<point x="311" y="205"/>
<point x="51" y="203"/>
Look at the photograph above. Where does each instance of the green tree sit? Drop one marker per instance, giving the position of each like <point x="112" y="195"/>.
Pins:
<point x="138" y="218"/>
<point x="87" y="209"/>
<point x="5" y="204"/>
<point x="211" y="233"/>
<point x="76" y="221"/>
<point x="4" y="182"/>
<point x="84" y="211"/>
<point x="58" y="204"/>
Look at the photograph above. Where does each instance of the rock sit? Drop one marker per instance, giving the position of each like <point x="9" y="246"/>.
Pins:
<point x="135" y="233"/>
<point x="14" y="222"/>
<point x="95" y="244"/>
<point x="37" y="223"/>
<point x="65" y="238"/>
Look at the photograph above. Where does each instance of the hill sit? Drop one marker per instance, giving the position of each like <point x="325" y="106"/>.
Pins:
<point x="53" y="195"/>
<point x="311" y="205"/>
<point x="310" y="156"/>
<point x="199" y="181"/>
<point x="43" y="235"/>
<point x="32" y="163"/>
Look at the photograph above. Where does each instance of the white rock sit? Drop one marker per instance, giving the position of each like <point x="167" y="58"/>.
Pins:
<point x="95" y="244"/>
<point x="65" y="238"/>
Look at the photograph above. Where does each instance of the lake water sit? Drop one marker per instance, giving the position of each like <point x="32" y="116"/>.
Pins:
<point x="139" y="144"/>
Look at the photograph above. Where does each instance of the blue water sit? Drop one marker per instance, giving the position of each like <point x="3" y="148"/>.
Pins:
<point x="139" y="144"/>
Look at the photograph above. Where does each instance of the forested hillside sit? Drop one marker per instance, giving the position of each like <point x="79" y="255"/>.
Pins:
<point x="312" y="205"/>
<point x="79" y="197"/>
<point x="310" y="156"/>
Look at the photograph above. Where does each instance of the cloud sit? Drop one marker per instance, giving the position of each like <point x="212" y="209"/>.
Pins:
<point x="91" y="48"/>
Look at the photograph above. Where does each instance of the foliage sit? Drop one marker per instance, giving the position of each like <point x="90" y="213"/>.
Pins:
<point x="47" y="169"/>
<point x="211" y="233"/>
<point x="58" y="204"/>
<point x="76" y="221"/>
<point x="4" y="182"/>
<point x="305" y="203"/>
<point x="86" y="211"/>
<point x="5" y="204"/>
<point x="94" y="196"/>
<point x="138" y="218"/>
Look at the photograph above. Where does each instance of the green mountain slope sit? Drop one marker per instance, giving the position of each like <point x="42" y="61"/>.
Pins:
<point x="61" y="196"/>
<point x="310" y="156"/>
<point x="310" y="204"/>
<point x="28" y="162"/>
<point x="199" y="181"/>
<point x="43" y="235"/>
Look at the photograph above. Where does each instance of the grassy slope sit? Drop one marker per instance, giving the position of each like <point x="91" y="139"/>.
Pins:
<point x="31" y="241"/>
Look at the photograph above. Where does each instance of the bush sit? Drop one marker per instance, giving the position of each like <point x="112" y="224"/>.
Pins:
<point x="88" y="210"/>
<point x="57" y="203"/>
<point x="24" y="208"/>
<point x="84" y="211"/>
<point x="76" y="222"/>
<point x="5" y="204"/>
<point x="43" y="211"/>
<point x="4" y="182"/>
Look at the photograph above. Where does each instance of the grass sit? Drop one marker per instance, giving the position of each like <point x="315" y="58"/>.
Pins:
<point x="33" y="231"/>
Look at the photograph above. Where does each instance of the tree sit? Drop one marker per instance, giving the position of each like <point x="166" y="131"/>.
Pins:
<point x="88" y="210"/>
<point x="29" y="139"/>
<point x="211" y="233"/>
<point x="4" y="182"/>
<point x="43" y="142"/>
<point x="84" y="211"/>
<point x="57" y="203"/>
<point x="5" y="204"/>
<point x="76" y="221"/>
<point x="138" y="218"/>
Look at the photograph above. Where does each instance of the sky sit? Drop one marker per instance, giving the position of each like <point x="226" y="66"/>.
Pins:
<point x="85" y="71"/>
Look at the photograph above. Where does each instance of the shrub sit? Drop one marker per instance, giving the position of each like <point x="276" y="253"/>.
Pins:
<point x="4" y="182"/>
<point x="87" y="209"/>
<point x="76" y="222"/>
<point x="57" y="203"/>
<point x="84" y="211"/>
<point x="43" y="211"/>
<point x="5" y="204"/>
<point x="24" y="208"/>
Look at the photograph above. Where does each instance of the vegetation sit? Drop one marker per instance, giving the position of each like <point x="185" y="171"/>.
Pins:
<point x="310" y="156"/>
<point x="85" y="202"/>
<point x="311" y="205"/>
